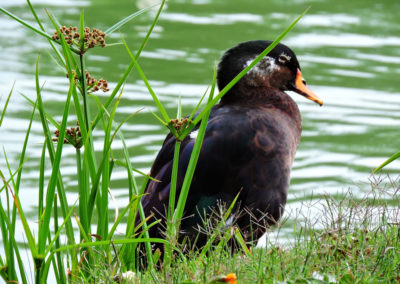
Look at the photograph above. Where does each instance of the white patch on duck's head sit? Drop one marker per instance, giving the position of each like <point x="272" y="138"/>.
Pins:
<point x="264" y="68"/>
<point x="193" y="134"/>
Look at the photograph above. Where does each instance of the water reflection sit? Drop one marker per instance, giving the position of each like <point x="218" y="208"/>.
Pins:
<point x="342" y="40"/>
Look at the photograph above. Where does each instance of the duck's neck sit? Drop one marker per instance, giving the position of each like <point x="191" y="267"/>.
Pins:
<point x="263" y="97"/>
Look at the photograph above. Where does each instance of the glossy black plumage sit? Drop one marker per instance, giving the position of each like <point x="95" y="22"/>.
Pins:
<point x="249" y="146"/>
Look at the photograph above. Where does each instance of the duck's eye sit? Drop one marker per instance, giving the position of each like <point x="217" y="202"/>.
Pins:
<point x="283" y="58"/>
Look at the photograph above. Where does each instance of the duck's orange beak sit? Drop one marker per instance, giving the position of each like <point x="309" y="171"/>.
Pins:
<point x="300" y="87"/>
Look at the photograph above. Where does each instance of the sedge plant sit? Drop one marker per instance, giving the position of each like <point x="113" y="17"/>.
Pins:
<point x="93" y="175"/>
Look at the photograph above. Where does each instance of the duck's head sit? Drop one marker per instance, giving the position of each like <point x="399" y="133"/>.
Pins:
<point x="278" y="70"/>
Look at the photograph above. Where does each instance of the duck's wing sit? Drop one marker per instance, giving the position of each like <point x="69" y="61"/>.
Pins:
<point x="225" y="148"/>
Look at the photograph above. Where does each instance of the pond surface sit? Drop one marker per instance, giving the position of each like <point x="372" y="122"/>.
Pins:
<point x="349" y="52"/>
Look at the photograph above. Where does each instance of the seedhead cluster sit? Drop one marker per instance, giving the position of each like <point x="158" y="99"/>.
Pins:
<point x="92" y="85"/>
<point x="180" y="123"/>
<point x="73" y="132"/>
<point x="91" y="38"/>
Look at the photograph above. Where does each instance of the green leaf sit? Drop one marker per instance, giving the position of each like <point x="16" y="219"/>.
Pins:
<point x="192" y="162"/>
<point x="82" y="32"/>
<point x="130" y="67"/>
<point x="25" y="24"/>
<point x="28" y="232"/>
<point x="179" y="111"/>
<point x="13" y="247"/>
<point x="51" y="42"/>
<point x="3" y="112"/>
<point x="58" y="232"/>
<point x="121" y="215"/>
<point x="242" y="243"/>
<point x="387" y="162"/>
<point x="146" y="82"/>
<point x="197" y="106"/>
<point x="60" y="264"/>
<point x="146" y="38"/>
<point x="125" y="20"/>
<point x="44" y="228"/>
<point x="159" y="119"/>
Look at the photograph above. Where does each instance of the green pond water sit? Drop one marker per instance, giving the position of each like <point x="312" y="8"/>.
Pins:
<point x="348" y="50"/>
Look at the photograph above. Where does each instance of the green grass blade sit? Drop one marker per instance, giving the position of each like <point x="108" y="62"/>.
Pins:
<point x="387" y="162"/>
<point x="171" y="232"/>
<point x="10" y="260"/>
<point x="219" y="227"/>
<point x="146" y="38"/>
<point x="129" y="257"/>
<point x="58" y="231"/>
<point x="47" y="116"/>
<point x="6" y="226"/>
<point x="116" y="242"/>
<point x="179" y="111"/>
<point x="103" y="224"/>
<point x="197" y="106"/>
<point x="28" y="232"/>
<point x="113" y="94"/>
<point x="25" y="23"/>
<point x="132" y="182"/>
<point x="121" y="215"/>
<point x="55" y="170"/>
<point x="125" y="20"/>
<point x="61" y="66"/>
<point x="242" y="243"/>
<point x="106" y="150"/>
<point x="131" y="65"/>
<point x="51" y="42"/>
<point x="8" y="270"/>
<point x="55" y="268"/>
<point x="83" y="173"/>
<point x="7" y="182"/>
<point x="8" y="251"/>
<point x="146" y="82"/>
<point x="123" y="164"/>
<point x="83" y="188"/>
<point x="3" y="112"/>
<point x="159" y="119"/>
<point x="82" y="230"/>
<point x="82" y="32"/>
<point x="41" y="180"/>
<point x="192" y="162"/>
<point x="84" y="93"/>
<point x="19" y="20"/>
<point x="174" y="177"/>
<point x="18" y="179"/>
<point x="23" y="152"/>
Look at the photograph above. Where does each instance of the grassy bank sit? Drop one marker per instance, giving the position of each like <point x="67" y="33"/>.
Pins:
<point x="351" y="240"/>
